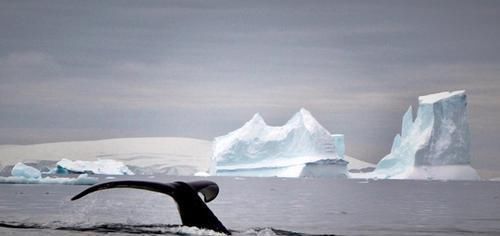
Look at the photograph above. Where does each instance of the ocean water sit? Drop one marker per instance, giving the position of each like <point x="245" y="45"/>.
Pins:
<point x="262" y="206"/>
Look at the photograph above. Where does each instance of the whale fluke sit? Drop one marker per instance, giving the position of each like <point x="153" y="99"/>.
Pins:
<point x="193" y="211"/>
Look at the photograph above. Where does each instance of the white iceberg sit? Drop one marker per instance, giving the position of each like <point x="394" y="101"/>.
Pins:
<point x="24" y="174"/>
<point x="433" y="146"/>
<point x="257" y="149"/>
<point x="100" y="167"/>
<point x="25" y="171"/>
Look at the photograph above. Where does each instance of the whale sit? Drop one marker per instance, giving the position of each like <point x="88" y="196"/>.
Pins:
<point x="192" y="209"/>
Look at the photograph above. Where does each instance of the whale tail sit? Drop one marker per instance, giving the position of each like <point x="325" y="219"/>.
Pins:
<point x="193" y="211"/>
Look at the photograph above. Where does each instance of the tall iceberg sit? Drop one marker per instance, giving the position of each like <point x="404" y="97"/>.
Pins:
<point x="257" y="149"/>
<point x="435" y="145"/>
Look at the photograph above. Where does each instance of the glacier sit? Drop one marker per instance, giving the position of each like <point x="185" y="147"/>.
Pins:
<point x="257" y="149"/>
<point x="436" y="145"/>
<point x="24" y="174"/>
<point x="99" y="167"/>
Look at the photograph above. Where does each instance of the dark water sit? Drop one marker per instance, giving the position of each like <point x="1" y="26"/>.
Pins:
<point x="262" y="206"/>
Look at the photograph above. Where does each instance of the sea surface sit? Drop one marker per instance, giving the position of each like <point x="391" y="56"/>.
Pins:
<point x="261" y="206"/>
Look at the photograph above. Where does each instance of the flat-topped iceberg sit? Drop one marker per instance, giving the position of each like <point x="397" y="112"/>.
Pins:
<point x="257" y="149"/>
<point x="433" y="146"/>
<point x="100" y="167"/>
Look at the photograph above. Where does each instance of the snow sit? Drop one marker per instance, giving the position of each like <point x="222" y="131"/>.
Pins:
<point x="433" y="146"/>
<point x="257" y="149"/>
<point x="101" y="166"/>
<point x="24" y="171"/>
<point x="166" y="155"/>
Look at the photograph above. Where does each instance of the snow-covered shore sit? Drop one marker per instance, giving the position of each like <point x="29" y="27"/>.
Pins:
<point x="171" y="155"/>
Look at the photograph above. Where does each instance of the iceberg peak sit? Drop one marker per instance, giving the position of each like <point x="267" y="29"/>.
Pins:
<point x="251" y="128"/>
<point x="257" y="119"/>
<point x="256" y="122"/>
<point x="304" y="118"/>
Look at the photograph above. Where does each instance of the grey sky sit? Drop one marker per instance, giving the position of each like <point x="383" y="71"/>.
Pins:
<point x="76" y="70"/>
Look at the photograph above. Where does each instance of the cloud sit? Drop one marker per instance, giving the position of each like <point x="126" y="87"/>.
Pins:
<point x="28" y="66"/>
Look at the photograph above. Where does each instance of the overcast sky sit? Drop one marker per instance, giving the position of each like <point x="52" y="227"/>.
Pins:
<point x="79" y="70"/>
